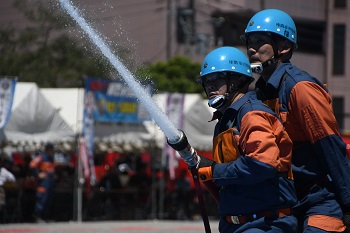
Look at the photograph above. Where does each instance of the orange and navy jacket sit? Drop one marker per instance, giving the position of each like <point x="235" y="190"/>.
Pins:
<point x="43" y="163"/>
<point x="256" y="180"/>
<point x="305" y="108"/>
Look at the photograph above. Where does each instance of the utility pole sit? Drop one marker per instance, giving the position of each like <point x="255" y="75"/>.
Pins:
<point x="262" y="4"/>
<point x="168" y="30"/>
<point x="190" y="27"/>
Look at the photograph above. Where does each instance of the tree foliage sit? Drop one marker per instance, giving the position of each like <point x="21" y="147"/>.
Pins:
<point x="178" y="74"/>
<point x="62" y="63"/>
<point x="44" y="53"/>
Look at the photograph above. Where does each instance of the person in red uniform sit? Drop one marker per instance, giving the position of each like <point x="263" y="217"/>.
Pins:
<point x="320" y="165"/>
<point x="251" y="151"/>
<point x="43" y="168"/>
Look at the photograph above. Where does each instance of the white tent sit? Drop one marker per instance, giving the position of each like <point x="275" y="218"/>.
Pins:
<point x="33" y="119"/>
<point x="69" y="103"/>
<point x="198" y="130"/>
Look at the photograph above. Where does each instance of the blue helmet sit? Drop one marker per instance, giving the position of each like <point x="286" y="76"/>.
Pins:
<point x="273" y="21"/>
<point x="226" y="59"/>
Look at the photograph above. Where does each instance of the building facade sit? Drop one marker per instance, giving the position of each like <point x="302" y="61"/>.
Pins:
<point x="156" y="30"/>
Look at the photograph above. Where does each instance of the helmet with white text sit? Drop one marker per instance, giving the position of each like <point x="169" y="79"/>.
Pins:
<point x="272" y="21"/>
<point x="230" y="63"/>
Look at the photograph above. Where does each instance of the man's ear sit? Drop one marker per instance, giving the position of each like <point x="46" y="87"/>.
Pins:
<point x="285" y="46"/>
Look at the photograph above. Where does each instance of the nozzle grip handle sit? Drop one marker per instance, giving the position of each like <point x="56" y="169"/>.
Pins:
<point x="187" y="153"/>
<point x="181" y="144"/>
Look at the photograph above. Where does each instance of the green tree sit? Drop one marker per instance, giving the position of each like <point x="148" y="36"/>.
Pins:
<point x="61" y="63"/>
<point x="178" y="74"/>
<point x="45" y="53"/>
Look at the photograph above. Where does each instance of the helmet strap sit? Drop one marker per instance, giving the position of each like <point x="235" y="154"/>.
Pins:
<point x="232" y="92"/>
<point x="259" y="67"/>
<point x="218" y="101"/>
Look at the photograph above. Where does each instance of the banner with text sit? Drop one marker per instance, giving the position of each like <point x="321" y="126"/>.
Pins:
<point x="115" y="102"/>
<point x="7" y="90"/>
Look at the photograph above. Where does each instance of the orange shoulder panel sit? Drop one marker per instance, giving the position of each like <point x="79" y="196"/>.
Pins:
<point x="311" y="107"/>
<point x="264" y="138"/>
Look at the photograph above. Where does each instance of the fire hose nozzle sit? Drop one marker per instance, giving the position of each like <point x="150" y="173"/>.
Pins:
<point x="186" y="151"/>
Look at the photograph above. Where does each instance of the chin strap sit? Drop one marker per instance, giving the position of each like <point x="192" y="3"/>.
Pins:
<point x="218" y="101"/>
<point x="259" y="67"/>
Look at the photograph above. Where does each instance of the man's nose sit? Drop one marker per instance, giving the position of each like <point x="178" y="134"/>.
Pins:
<point x="251" y="51"/>
<point x="211" y="87"/>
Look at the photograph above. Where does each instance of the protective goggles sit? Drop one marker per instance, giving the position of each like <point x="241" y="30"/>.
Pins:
<point x="211" y="77"/>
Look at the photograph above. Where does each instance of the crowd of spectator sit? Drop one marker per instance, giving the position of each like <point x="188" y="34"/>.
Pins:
<point x="125" y="183"/>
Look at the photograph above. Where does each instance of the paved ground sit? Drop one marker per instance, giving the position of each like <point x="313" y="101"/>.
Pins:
<point x="149" y="226"/>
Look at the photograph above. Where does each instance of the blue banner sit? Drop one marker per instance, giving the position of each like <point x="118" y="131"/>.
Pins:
<point x="7" y="91"/>
<point x="115" y="102"/>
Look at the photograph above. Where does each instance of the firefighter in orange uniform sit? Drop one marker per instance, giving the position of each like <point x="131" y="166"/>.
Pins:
<point x="319" y="162"/>
<point x="43" y="168"/>
<point x="251" y="151"/>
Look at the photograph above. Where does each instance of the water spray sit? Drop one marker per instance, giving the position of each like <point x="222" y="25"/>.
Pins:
<point x="173" y="135"/>
<point x="175" y="138"/>
<point x="156" y="113"/>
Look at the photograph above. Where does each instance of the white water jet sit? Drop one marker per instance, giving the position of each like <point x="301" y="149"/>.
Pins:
<point x="156" y="113"/>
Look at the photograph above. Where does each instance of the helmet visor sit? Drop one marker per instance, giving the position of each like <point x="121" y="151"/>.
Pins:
<point x="211" y="77"/>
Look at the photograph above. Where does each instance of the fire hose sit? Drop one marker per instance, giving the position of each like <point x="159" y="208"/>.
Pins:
<point x="189" y="155"/>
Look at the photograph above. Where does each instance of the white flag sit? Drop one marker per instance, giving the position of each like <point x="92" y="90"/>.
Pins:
<point x="175" y="113"/>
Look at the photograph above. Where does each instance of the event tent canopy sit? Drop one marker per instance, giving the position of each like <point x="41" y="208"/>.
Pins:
<point x="56" y="115"/>
<point x="33" y="119"/>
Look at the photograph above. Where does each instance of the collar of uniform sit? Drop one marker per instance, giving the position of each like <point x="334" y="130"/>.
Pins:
<point x="238" y="104"/>
<point x="234" y="108"/>
<point x="231" y="112"/>
<point x="275" y="79"/>
<point x="270" y="88"/>
<point x="260" y="83"/>
<point x="216" y="116"/>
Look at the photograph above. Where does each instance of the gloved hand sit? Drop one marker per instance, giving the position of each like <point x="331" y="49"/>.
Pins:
<point x="205" y="168"/>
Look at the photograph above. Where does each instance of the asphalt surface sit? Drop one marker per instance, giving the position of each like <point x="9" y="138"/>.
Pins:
<point x="149" y="226"/>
